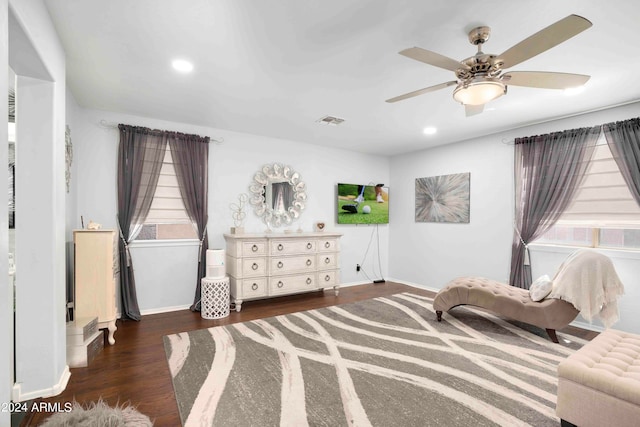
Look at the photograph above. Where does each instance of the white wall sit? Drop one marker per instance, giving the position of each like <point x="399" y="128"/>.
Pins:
<point x="430" y="254"/>
<point x="165" y="275"/>
<point x="6" y="291"/>
<point x="36" y="56"/>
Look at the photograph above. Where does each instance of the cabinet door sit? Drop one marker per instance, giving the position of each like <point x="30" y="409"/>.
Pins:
<point x="95" y="280"/>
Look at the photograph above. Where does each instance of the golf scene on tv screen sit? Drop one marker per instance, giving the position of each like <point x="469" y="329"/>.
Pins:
<point x="363" y="204"/>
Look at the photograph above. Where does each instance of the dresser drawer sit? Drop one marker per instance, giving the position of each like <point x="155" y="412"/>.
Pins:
<point x="327" y="261"/>
<point x="253" y="288"/>
<point x="328" y="245"/>
<point x="254" y="248"/>
<point x="246" y="248"/>
<point x="252" y="267"/>
<point x="293" y="247"/>
<point x="292" y="264"/>
<point x="327" y="278"/>
<point x="293" y="283"/>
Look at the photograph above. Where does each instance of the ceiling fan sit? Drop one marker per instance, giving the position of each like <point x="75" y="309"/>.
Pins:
<point x="481" y="78"/>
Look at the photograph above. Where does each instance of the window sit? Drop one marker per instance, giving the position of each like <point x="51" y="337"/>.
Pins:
<point x="167" y="217"/>
<point x="603" y="213"/>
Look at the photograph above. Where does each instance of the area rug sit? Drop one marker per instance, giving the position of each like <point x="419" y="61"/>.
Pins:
<point x="379" y="362"/>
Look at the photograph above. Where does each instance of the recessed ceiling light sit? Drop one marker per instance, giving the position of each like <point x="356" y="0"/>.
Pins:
<point x="429" y="130"/>
<point x="182" y="65"/>
<point x="574" y="90"/>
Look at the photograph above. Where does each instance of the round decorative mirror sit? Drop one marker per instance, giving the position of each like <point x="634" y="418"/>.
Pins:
<point x="277" y="195"/>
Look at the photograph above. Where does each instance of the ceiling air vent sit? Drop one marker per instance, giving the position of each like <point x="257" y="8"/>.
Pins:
<point x="330" y="120"/>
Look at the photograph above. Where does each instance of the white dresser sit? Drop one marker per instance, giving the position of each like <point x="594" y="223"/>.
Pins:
<point x="97" y="272"/>
<point x="268" y="265"/>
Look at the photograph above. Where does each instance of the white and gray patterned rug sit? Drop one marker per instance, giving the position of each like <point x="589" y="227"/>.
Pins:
<point x="379" y="362"/>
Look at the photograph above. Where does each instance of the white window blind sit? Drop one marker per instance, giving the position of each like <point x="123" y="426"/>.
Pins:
<point x="167" y="206"/>
<point x="603" y="200"/>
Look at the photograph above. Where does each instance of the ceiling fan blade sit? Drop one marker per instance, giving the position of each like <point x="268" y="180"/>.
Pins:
<point x="544" y="40"/>
<point x="544" y="80"/>
<point x="433" y="58"/>
<point x="421" y="91"/>
<point x="472" y="110"/>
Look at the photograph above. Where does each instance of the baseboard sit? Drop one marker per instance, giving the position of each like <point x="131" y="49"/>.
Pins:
<point x="164" y="309"/>
<point x="413" y="285"/>
<point x="346" y="285"/>
<point x="19" y="396"/>
<point x="587" y="326"/>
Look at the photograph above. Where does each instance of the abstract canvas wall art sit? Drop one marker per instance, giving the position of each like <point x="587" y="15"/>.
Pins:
<point x="443" y="198"/>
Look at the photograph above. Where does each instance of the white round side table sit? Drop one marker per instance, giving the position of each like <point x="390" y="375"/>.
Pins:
<point x="215" y="298"/>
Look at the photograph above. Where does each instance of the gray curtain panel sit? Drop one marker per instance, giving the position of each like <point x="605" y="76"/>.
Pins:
<point x="548" y="171"/>
<point x="140" y="155"/>
<point x="623" y="139"/>
<point x="190" y="155"/>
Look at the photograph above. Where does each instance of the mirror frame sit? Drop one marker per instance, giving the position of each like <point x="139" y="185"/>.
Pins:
<point x="277" y="173"/>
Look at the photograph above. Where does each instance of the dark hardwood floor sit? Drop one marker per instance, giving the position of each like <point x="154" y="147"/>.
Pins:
<point x="135" y="369"/>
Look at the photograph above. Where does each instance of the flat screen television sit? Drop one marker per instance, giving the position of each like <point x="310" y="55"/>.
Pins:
<point x="363" y="204"/>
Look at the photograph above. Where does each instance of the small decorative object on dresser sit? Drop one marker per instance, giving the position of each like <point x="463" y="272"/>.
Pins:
<point x="268" y="265"/>
<point x="238" y="214"/>
<point x="319" y="226"/>
<point x="97" y="272"/>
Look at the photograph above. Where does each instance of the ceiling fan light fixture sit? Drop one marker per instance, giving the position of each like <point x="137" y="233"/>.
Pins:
<point x="479" y="91"/>
<point x="573" y="90"/>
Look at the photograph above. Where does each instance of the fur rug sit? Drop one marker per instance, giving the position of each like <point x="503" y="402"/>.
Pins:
<point x="99" y="414"/>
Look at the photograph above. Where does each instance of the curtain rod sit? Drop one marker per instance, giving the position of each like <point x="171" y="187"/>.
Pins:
<point x="110" y="125"/>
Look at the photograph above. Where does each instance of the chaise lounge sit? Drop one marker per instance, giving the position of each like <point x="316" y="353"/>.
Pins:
<point x="586" y="283"/>
<point x="514" y="303"/>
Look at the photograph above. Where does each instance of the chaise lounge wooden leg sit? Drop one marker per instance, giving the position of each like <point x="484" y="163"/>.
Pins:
<point x="552" y="335"/>
<point x="439" y="315"/>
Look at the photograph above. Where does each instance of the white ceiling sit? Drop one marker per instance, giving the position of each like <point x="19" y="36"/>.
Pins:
<point x="274" y="67"/>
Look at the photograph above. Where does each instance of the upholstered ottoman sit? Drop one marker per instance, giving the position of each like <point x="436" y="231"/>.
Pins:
<point x="514" y="303"/>
<point x="599" y="385"/>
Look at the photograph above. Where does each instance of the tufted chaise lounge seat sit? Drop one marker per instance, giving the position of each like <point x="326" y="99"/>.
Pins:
<point x="599" y="385"/>
<point x="514" y="303"/>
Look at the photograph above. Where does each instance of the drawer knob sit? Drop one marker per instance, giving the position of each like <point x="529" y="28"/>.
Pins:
<point x="254" y="266"/>
<point x="280" y="264"/>
<point x="309" y="245"/>
<point x="280" y="247"/>
<point x="254" y="248"/>
<point x="309" y="280"/>
<point x="254" y="286"/>
<point x="309" y="262"/>
<point x="327" y="260"/>
<point x="280" y="284"/>
<point x="327" y="245"/>
<point x="327" y="278"/>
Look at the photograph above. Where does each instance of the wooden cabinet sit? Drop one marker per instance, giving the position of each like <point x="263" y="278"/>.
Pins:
<point x="262" y="266"/>
<point x="97" y="274"/>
